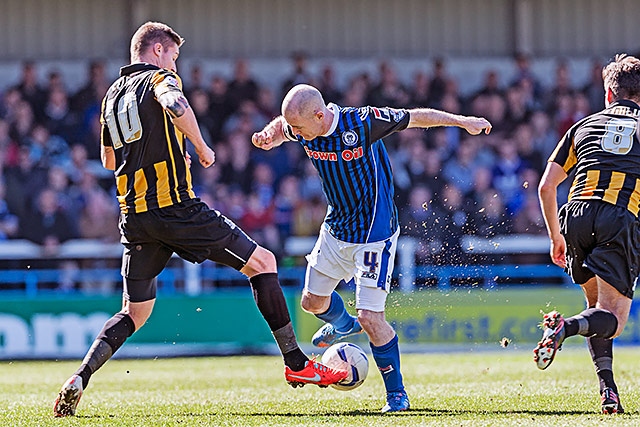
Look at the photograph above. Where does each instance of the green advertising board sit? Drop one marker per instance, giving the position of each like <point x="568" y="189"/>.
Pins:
<point x="65" y="326"/>
<point x="229" y="322"/>
<point x="475" y="316"/>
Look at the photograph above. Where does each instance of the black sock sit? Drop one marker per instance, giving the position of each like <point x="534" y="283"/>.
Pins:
<point x="270" y="301"/>
<point x="601" y="350"/>
<point x="592" y="322"/>
<point x="293" y="357"/>
<point x="114" y="333"/>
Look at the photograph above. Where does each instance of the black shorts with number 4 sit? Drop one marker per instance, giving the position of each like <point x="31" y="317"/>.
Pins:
<point x="603" y="240"/>
<point x="190" y="229"/>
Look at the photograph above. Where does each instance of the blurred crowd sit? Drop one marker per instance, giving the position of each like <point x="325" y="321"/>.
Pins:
<point x="448" y="184"/>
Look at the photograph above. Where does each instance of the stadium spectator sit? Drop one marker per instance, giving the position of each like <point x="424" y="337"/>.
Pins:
<point x="48" y="225"/>
<point x="55" y="81"/>
<point x="24" y="181"/>
<point x="530" y="220"/>
<point x="67" y="197"/>
<point x="263" y="184"/>
<point x="48" y="150"/>
<point x="543" y="134"/>
<point x="508" y="176"/>
<point x="438" y="83"/>
<point x="527" y="149"/>
<point x="266" y="102"/>
<point x="454" y="222"/>
<point x="242" y="86"/>
<point x="237" y="166"/>
<point x="418" y="220"/>
<point x="300" y="73"/>
<point x="419" y="90"/>
<point x="490" y="86"/>
<point x="327" y="84"/>
<point x="526" y="79"/>
<point x="199" y="101"/>
<point x="88" y="97"/>
<point x="219" y="109"/>
<point x="257" y="220"/>
<point x="357" y="89"/>
<point x="10" y="102"/>
<point x="388" y="91"/>
<point x="285" y="203"/>
<point x="494" y="107"/>
<point x="459" y="169"/>
<point x="98" y="217"/>
<point x="98" y="220"/>
<point x="488" y="217"/>
<point x="200" y="105"/>
<point x="410" y="162"/>
<point x="30" y="89"/>
<point x="245" y="119"/>
<point x="22" y="122"/>
<point x="309" y="215"/>
<point x="518" y="109"/>
<point x="594" y="87"/>
<point x="59" y="119"/>
<point x="9" y="223"/>
<point x="8" y="147"/>
<point x="195" y="81"/>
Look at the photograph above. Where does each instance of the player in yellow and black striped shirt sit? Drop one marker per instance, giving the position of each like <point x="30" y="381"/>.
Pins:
<point x="145" y="119"/>
<point x="596" y="235"/>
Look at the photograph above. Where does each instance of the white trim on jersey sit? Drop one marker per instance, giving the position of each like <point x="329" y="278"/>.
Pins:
<point x="336" y="116"/>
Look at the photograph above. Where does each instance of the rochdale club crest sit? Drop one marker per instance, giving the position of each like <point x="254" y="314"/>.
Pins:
<point x="349" y="138"/>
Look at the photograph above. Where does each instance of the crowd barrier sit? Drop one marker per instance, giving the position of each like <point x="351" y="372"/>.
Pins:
<point x="19" y="271"/>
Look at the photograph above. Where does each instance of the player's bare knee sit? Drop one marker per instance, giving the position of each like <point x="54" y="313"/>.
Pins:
<point x="139" y="312"/>
<point x="314" y="304"/>
<point x="370" y="320"/>
<point x="306" y="305"/>
<point x="263" y="261"/>
<point x="139" y="318"/>
<point x="622" y="322"/>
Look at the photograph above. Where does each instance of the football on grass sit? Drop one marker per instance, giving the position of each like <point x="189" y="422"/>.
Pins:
<point x="347" y="357"/>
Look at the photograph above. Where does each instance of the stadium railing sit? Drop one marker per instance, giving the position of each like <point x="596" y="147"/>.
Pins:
<point x="192" y="279"/>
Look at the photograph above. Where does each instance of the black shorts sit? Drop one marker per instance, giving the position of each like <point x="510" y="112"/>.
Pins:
<point x="603" y="240"/>
<point x="190" y="229"/>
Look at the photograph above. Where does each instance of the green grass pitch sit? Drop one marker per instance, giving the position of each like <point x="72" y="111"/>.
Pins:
<point x="477" y="388"/>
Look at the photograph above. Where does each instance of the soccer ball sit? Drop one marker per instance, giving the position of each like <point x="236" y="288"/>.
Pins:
<point x="347" y="357"/>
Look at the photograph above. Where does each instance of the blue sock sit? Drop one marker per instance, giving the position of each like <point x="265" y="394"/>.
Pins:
<point x="337" y="314"/>
<point x="387" y="358"/>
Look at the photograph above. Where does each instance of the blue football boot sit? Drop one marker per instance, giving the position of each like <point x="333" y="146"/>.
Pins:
<point x="396" y="401"/>
<point x="328" y="335"/>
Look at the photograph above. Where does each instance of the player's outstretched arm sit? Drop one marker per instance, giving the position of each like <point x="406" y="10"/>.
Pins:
<point x="271" y="136"/>
<point x="428" y="117"/>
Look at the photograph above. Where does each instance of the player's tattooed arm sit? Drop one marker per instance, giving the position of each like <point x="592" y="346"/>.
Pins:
<point x="174" y="103"/>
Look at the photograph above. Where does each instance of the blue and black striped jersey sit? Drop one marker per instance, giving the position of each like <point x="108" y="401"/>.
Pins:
<point x="355" y="169"/>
